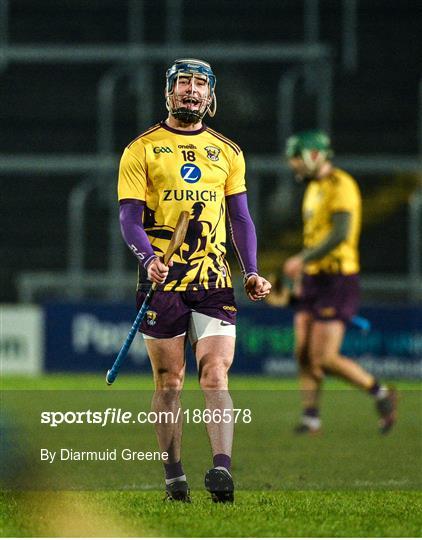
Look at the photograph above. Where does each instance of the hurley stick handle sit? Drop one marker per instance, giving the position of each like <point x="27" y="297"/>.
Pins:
<point x="178" y="236"/>
<point x="176" y="241"/>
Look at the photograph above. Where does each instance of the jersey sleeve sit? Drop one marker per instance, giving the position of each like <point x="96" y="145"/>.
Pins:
<point x="236" y="180"/>
<point x="132" y="182"/>
<point x="344" y="196"/>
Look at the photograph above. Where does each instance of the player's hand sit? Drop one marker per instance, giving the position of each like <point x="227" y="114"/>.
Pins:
<point x="257" y="287"/>
<point x="158" y="271"/>
<point x="293" y="267"/>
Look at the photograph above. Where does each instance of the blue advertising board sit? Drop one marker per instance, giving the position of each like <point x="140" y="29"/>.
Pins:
<point x="87" y="337"/>
<point x="391" y="348"/>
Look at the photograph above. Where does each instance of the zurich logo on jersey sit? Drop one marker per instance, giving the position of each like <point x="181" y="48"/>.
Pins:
<point x="190" y="173"/>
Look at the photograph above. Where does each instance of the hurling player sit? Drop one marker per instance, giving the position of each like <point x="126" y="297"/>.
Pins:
<point x="181" y="164"/>
<point x="328" y="272"/>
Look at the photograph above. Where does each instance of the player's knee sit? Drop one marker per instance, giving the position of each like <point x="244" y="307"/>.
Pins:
<point x="214" y="381"/>
<point x="312" y="366"/>
<point x="213" y="376"/>
<point x="169" y="380"/>
<point x="324" y="361"/>
<point x="317" y="372"/>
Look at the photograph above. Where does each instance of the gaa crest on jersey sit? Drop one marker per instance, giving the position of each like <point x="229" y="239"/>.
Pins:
<point x="151" y="317"/>
<point x="213" y="153"/>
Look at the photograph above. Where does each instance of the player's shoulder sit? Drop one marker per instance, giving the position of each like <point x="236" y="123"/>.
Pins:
<point x="341" y="177"/>
<point x="141" y="139"/>
<point x="213" y="134"/>
<point x="343" y="185"/>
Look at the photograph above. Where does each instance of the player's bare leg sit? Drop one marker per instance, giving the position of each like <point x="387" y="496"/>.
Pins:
<point x="310" y="376"/>
<point x="168" y="364"/>
<point x="325" y="343"/>
<point x="214" y="356"/>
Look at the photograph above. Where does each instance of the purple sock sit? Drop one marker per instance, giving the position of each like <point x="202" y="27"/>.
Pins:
<point x="313" y="412"/>
<point x="173" y="470"/>
<point x="222" y="460"/>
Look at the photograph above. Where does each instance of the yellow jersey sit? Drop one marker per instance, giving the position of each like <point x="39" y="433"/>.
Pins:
<point x="336" y="192"/>
<point x="171" y="171"/>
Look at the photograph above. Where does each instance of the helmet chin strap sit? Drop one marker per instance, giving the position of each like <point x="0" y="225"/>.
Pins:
<point x="186" y="115"/>
<point x="189" y="116"/>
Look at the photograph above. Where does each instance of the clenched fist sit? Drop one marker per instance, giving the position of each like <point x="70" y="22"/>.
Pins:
<point x="257" y="287"/>
<point x="158" y="271"/>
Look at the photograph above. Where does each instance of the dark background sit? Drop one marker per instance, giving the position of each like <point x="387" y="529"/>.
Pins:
<point x="52" y="108"/>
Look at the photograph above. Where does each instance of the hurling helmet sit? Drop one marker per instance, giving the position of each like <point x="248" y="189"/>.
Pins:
<point x="190" y="67"/>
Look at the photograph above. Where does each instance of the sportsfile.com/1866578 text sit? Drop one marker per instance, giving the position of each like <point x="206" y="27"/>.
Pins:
<point x="113" y="415"/>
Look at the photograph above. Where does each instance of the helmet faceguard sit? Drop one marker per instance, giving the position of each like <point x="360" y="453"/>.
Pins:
<point x="314" y="147"/>
<point x="176" y="103"/>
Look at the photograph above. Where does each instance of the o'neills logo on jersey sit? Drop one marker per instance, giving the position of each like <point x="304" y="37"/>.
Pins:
<point x="189" y="195"/>
<point x="187" y="146"/>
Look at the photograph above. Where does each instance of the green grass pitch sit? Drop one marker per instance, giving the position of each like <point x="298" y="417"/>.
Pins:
<point x="348" y="482"/>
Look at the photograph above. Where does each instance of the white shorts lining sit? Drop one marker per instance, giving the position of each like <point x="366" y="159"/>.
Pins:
<point x="202" y="326"/>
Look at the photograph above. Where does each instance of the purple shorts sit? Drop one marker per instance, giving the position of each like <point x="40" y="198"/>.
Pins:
<point x="169" y="312"/>
<point x="330" y="297"/>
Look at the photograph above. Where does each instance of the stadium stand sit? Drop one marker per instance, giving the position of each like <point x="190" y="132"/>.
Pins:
<point x="52" y="108"/>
